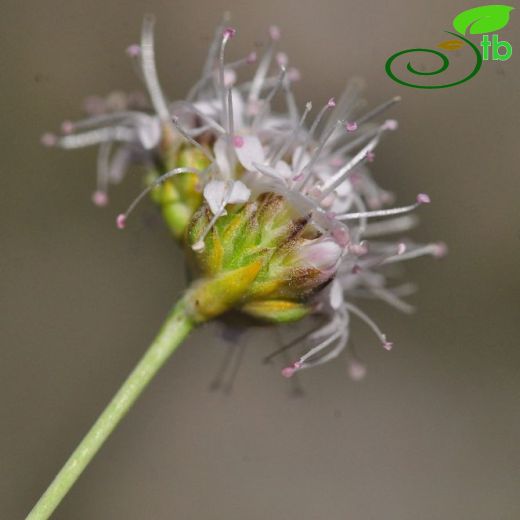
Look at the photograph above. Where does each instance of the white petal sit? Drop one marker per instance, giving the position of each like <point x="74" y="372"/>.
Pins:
<point x="239" y="193"/>
<point x="322" y="254"/>
<point x="344" y="189"/>
<point x="214" y="193"/>
<point x="208" y="108"/>
<point x="149" y="132"/>
<point x="284" y="169"/>
<point x="249" y="150"/>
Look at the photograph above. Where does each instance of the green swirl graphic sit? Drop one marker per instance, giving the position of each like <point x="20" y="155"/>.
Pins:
<point x="442" y="68"/>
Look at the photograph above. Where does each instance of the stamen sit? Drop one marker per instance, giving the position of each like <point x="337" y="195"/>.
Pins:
<point x="100" y="197"/>
<point x="150" y="71"/>
<point x="351" y="145"/>
<point x="290" y="370"/>
<point x="438" y="250"/>
<point x="351" y="126"/>
<point x="292" y="108"/>
<point x="248" y="60"/>
<point x="196" y="144"/>
<point x="331" y="184"/>
<point x="116" y="133"/>
<point x="122" y="218"/>
<point x="360" y="314"/>
<point x="393" y="300"/>
<point x="230" y="116"/>
<point x="263" y="67"/>
<point x="378" y="110"/>
<point x="129" y="117"/>
<point x="214" y="47"/>
<point x="422" y="198"/>
<point x="345" y="105"/>
<point x="331" y="103"/>
<point x="307" y="170"/>
<point x="289" y="345"/>
<point x="266" y="103"/>
<point x="313" y="351"/>
<point x="227" y="34"/>
<point x="121" y="221"/>
<point x="291" y="140"/>
<point x="199" y="245"/>
<point x="191" y="108"/>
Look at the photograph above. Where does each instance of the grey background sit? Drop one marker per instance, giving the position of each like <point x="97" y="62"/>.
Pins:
<point x="431" y="434"/>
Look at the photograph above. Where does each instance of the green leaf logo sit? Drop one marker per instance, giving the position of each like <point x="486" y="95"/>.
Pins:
<point x="483" y="19"/>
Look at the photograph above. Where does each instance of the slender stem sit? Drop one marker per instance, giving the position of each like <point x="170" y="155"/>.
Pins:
<point x="175" y="329"/>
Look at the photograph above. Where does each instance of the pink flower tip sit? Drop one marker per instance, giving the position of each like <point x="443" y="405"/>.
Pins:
<point x="67" y="127"/>
<point x="290" y="370"/>
<point x="133" y="50"/>
<point x="282" y="59"/>
<point x="238" y="141"/>
<point x="388" y="345"/>
<point x="294" y="74"/>
<point x="229" y="32"/>
<point x="331" y="103"/>
<point x="100" y="199"/>
<point x="371" y="156"/>
<point x="358" y="249"/>
<point x="390" y="124"/>
<point x="251" y="58"/>
<point x="274" y="32"/>
<point x="441" y="249"/>
<point x="356" y="370"/>
<point x="401" y="248"/>
<point x="341" y="236"/>
<point x="423" y="198"/>
<point x="351" y="126"/>
<point x="121" y="221"/>
<point x="49" y="139"/>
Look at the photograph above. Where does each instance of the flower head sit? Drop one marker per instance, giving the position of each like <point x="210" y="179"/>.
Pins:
<point x="276" y="211"/>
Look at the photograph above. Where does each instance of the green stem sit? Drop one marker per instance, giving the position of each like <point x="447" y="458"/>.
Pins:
<point x="175" y="329"/>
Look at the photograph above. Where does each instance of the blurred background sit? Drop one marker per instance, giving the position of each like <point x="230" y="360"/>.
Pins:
<point x="431" y="433"/>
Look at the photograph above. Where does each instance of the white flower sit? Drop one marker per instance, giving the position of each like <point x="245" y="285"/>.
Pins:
<point x="320" y="170"/>
<point x="220" y="193"/>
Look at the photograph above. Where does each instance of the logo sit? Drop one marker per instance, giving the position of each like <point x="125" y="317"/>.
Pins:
<point x="479" y="20"/>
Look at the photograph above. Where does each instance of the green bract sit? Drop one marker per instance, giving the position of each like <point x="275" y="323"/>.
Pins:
<point x="251" y="261"/>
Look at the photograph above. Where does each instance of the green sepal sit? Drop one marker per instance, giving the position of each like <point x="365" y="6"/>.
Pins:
<point x="212" y="297"/>
<point x="276" y="311"/>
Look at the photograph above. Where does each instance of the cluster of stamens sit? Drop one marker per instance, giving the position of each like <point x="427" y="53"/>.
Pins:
<point x="226" y="137"/>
